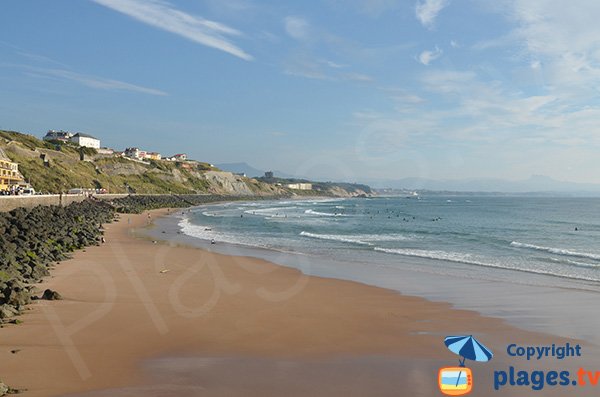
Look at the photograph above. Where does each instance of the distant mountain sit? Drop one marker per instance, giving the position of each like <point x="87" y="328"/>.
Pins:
<point x="240" y="168"/>
<point x="249" y="170"/>
<point x="534" y="184"/>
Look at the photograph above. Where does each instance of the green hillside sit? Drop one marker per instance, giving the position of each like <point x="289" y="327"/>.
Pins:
<point x="53" y="168"/>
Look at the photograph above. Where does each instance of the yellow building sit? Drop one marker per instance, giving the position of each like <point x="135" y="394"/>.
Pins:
<point x="9" y="173"/>
<point x="153" y="156"/>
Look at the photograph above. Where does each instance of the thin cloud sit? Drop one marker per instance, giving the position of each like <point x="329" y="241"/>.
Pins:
<point x="427" y="10"/>
<point x="334" y="65"/>
<point x="304" y="65"/>
<point x="93" y="81"/>
<point x="426" y="57"/>
<point x="357" y="77"/>
<point x="163" y="15"/>
<point x="296" y="27"/>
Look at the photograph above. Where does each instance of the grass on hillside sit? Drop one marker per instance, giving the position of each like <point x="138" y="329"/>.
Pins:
<point x="66" y="171"/>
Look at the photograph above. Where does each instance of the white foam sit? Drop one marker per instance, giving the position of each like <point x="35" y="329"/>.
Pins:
<point x="469" y="260"/>
<point x="575" y="263"/>
<point x="211" y="214"/>
<point x="268" y="211"/>
<point x="328" y="200"/>
<point x="431" y="254"/>
<point x="335" y="237"/>
<point x="198" y="231"/>
<point x="557" y="251"/>
<point x="363" y="239"/>
<point x="312" y="212"/>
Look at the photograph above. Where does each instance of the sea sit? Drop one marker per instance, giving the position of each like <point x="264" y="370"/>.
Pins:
<point x="534" y="261"/>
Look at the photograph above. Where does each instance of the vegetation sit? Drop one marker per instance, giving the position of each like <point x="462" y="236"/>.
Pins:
<point x="325" y="188"/>
<point x="55" y="167"/>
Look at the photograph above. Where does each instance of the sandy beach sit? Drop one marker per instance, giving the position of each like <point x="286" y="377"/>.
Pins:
<point x="152" y="318"/>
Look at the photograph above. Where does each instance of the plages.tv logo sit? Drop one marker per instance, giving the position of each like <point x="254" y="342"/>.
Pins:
<point x="458" y="381"/>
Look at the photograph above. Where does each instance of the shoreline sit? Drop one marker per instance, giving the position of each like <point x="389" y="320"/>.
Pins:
<point x="131" y="301"/>
<point x="549" y="309"/>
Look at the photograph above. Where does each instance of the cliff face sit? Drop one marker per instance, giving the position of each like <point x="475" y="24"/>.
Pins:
<point x="50" y="170"/>
<point x="225" y="182"/>
<point x="54" y="169"/>
<point x="341" y="192"/>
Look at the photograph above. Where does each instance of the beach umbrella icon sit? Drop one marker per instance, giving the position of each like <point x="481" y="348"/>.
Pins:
<point x="468" y="348"/>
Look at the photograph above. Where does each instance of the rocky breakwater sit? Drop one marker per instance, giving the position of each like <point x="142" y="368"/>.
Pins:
<point x="31" y="240"/>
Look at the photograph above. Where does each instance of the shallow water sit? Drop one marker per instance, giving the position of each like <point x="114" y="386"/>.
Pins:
<point x="533" y="235"/>
<point x="529" y="289"/>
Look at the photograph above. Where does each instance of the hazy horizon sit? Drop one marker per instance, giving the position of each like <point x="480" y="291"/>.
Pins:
<point x="338" y="90"/>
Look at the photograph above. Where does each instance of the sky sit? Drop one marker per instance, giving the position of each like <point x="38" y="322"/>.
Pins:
<point x="351" y="90"/>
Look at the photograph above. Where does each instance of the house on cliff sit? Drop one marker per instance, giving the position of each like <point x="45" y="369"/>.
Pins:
<point x="85" y="140"/>
<point x="10" y="177"/>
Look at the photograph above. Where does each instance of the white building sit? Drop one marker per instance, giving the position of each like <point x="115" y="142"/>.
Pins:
<point x="106" y="151"/>
<point x="299" y="186"/>
<point x="85" y="140"/>
<point x="54" y="135"/>
<point x="134" y="153"/>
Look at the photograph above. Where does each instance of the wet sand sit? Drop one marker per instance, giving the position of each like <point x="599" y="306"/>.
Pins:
<point x="141" y="318"/>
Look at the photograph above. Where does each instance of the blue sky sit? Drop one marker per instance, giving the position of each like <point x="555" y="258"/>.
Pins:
<point x="336" y="89"/>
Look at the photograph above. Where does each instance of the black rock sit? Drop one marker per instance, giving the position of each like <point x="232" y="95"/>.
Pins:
<point x="51" y="295"/>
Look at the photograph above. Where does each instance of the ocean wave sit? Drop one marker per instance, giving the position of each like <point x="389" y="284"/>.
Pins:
<point x="268" y="211"/>
<point x="363" y="239"/>
<point x="329" y="200"/>
<point x="432" y="254"/>
<point x="574" y="263"/>
<point x="198" y="231"/>
<point x="211" y="214"/>
<point x="468" y="259"/>
<point x="387" y="237"/>
<point x="312" y="212"/>
<point x="557" y="251"/>
<point x="335" y="237"/>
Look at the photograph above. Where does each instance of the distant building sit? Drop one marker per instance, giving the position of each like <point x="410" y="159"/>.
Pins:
<point x="153" y="156"/>
<point x="106" y="151"/>
<point x="299" y="186"/>
<point x="134" y="153"/>
<point x="54" y="135"/>
<point x="10" y="177"/>
<point x="85" y="140"/>
<point x="240" y="174"/>
<point x="269" y="174"/>
<point x="177" y="157"/>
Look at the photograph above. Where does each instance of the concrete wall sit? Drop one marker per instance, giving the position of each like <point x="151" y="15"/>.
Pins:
<point x="8" y="203"/>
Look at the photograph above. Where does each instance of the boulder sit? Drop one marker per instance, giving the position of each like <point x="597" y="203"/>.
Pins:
<point x="7" y="311"/>
<point x="51" y="295"/>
